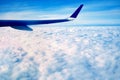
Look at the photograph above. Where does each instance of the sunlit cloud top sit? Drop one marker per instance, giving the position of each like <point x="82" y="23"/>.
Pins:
<point x="94" y="12"/>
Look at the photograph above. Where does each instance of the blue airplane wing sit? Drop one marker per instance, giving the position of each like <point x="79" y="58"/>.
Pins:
<point x="22" y="24"/>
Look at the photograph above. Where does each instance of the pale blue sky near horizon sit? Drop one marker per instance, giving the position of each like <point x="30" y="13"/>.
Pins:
<point x="94" y="11"/>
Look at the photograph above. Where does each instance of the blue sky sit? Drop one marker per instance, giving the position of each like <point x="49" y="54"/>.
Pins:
<point x="94" y="11"/>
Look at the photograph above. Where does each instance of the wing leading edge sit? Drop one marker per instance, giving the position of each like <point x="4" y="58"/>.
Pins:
<point x="22" y="24"/>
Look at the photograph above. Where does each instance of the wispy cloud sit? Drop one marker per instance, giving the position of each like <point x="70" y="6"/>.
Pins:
<point x="97" y="17"/>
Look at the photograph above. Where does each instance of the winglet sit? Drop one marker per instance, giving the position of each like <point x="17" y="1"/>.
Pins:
<point x="75" y="14"/>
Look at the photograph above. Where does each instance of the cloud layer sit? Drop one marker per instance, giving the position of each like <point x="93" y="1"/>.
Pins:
<point x="54" y="53"/>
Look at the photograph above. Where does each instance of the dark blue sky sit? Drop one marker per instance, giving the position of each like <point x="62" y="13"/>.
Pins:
<point x="100" y="10"/>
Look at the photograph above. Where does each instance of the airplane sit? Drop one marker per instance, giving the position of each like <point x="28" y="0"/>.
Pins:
<point x="22" y="24"/>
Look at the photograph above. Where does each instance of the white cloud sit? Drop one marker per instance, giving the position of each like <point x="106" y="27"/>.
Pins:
<point x="35" y="14"/>
<point x="49" y="53"/>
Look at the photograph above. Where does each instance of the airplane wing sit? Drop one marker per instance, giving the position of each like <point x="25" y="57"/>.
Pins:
<point x="22" y="24"/>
